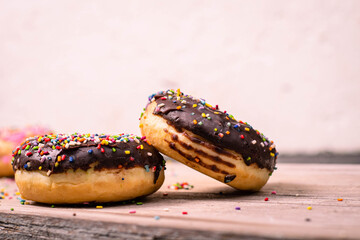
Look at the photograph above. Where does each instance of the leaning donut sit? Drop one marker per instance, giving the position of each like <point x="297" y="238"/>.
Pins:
<point x="67" y="169"/>
<point x="208" y="140"/>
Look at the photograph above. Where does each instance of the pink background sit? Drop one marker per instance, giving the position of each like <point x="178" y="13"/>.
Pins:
<point x="290" y="68"/>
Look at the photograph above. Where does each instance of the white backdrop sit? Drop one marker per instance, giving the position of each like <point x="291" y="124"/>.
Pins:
<point x="289" y="68"/>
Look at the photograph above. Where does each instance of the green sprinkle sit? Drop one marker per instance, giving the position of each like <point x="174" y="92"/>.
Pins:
<point x="200" y="123"/>
<point x="209" y="118"/>
<point x="248" y="159"/>
<point x="11" y="209"/>
<point x="113" y="149"/>
<point x="52" y="206"/>
<point x="139" y="203"/>
<point x="27" y="147"/>
<point x="36" y="148"/>
<point x="19" y="152"/>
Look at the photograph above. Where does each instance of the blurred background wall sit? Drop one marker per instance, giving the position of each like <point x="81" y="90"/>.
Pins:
<point x="289" y="68"/>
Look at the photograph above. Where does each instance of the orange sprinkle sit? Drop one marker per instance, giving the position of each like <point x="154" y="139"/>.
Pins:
<point x="197" y="159"/>
<point x="195" y="122"/>
<point x="339" y="199"/>
<point x="120" y="166"/>
<point x="227" y="132"/>
<point x="178" y="107"/>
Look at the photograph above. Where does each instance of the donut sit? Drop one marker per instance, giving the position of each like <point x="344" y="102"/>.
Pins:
<point x="9" y="139"/>
<point x="208" y="140"/>
<point x="77" y="168"/>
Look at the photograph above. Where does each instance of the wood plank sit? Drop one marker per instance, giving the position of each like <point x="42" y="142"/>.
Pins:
<point x="211" y="209"/>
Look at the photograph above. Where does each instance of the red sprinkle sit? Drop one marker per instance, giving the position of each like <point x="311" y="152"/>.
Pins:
<point x="58" y="147"/>
<point x="132" y="159"/>
<point x="132" y="211"/>
<point x="29" y="154"/>
<point x="63" y="157"/>
<point x="102" y="150"/>
<point x="165" y="194"/>
<point x="242" y="136"/>
<point x="273" y="192"/>
<point x="98" y="146"/>
<point x="184" y="213"/>
<point x="266" y="199"/>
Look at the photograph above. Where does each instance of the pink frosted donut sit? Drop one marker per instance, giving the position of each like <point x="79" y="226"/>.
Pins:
<point x="9" y="139"/>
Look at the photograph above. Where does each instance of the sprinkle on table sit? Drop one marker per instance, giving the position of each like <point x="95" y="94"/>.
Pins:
<point x="309" y="208"/>
<point x="237" y="208"/>
<point x="184" y="213"/>
<point x="339" y="199"/>
<point x="132" y="211"/>
<point x="99" y="207"/>
<point x="266" y="199"/>
<point x="273" y="192"/>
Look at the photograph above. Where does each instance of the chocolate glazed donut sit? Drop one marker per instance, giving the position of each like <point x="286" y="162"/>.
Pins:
<point x="208" y="140"/>
<point x="84" y="168"/>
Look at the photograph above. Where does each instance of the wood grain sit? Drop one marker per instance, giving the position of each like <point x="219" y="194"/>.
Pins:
<point x="211" y="209"/>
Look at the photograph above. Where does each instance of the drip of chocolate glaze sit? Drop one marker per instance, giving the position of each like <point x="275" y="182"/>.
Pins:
<point x="82" y="159"/>
<point x="217" y="127"/>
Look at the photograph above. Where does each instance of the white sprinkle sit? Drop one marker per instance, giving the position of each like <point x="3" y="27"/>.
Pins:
<point x="161" y="105"/>
<point x="85" y="141"/>
<point x="117" y="141"/>
<point x="136" y="140"/>
<point x="166" y="209"/>
<point x="262" y="144"/>
<point x="253" y="141"/>
<point x="72" y="143"/>
<point x="41" y="145"/>
<point x="149" y="154"/>
<point x="67" y="145"/>
<point x="183" y="101"/>
<point x="48" y="173"/>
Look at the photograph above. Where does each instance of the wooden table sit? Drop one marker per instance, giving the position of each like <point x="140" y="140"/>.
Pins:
<point x="210" y="206"/>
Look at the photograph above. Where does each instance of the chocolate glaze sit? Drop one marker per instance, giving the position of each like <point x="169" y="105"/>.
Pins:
<point x="181" y="110"/>
<point x="111" y="156"/>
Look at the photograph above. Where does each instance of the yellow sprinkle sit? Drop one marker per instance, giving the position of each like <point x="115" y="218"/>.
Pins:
<point x="127" y="152"/>
<point x="40" y="167"/>
<point x="203" y="115"/>
<point x="56" y="164"/>
<point x="215" y="129"/>
<point x="178" y="92"/>
<point x="195" y="122"/>
<point x="216" y="112"/>
<point x="178" y="107"/>
<point x="194" y="105"/>
<point x="17" y="193"/>
<point x="208" y="105"/>
<point x="99" y="206"/>
<point x="309" y="208"/>
<point x="104" y="142"/>
<point x="141" y="147"/>
<point x="272" y="154"/>
<point x="59" y="158"/>
<point x="227" y="132"/>
<point x="247" y="129"/>
<point x="141" y="125"/>
<point x="39" y="139"/>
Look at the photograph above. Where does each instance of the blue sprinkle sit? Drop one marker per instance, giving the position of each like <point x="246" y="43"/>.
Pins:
<point x="90" y="151"/>
<point x="118" y="138"/>
<point x="236" y="126"/>
<point x="71" y="159"/>
<point x="122" y="178"/>
<point x="103" y="136"/>
<point x="156" y="217"/>
<point x="147" y="168"/>
<point x="25" y="166"/>
<point x="192" y="114"/>
<point x="49" y="158"/>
